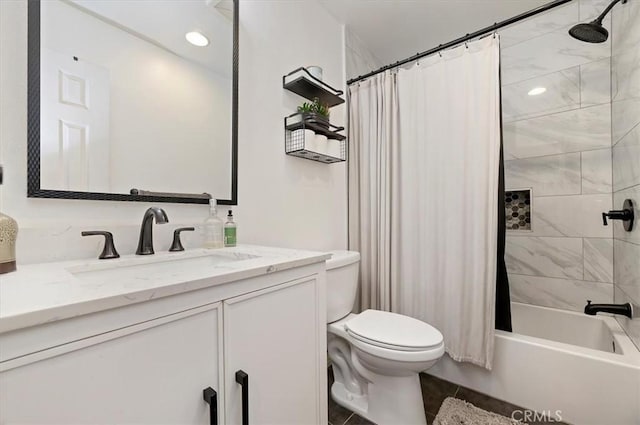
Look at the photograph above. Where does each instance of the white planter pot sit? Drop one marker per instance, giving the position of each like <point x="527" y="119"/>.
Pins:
<point x="315" y="71"/>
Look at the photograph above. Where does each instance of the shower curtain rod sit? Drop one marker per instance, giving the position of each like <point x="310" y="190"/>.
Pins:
<point x="457" y="41"/>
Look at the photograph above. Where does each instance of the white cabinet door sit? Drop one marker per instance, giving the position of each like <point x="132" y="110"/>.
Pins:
<point x="150" y="373"/>
<point x="272" y="335"/>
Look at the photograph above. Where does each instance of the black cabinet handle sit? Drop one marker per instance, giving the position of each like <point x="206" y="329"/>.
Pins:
<point x="211" y="397"/>
<point x="242" y="378"/>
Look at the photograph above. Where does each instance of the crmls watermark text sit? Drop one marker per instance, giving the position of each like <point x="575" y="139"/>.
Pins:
<point x="533" y="416"/>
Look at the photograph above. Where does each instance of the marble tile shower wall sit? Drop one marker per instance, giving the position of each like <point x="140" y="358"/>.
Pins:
<point x="625" y="115"/>
<point x="558" y="144"/>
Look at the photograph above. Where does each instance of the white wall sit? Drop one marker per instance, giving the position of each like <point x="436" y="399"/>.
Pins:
<point x="283" y="201"/>
<point x="359" y="59"/>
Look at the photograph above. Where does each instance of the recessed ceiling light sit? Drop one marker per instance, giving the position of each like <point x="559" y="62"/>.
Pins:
<point x="197" y="39"/>
<point x="536" y="91"/>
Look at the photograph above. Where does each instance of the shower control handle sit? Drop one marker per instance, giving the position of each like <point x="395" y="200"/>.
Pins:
<point x="626" y="215"/>
<point x="616" y="215"/>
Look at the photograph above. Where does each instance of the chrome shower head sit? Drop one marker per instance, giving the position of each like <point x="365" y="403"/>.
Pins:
<point x="593" y="32"/>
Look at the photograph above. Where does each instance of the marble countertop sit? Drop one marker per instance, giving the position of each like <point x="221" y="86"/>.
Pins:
<point x="47" y="292"/>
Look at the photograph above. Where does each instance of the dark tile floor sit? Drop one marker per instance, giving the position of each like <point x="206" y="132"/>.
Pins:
<point x="434" y="392"/>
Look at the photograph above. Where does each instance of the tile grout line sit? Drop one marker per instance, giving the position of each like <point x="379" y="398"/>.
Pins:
<point x="599" y="148"/>
<point x="582" y="193"/>
<point x="625" y="293"/>
<point x="348" y="419"/>
<point x="517" y="235"/>
<point x="633" y="186"/>
<point x="614" y="144"/>
<point x="551" y="72"/>
<point x="572" y="194"/>
<point x="581" y="176"/>
<point x="627" y="241"/>
<point x="579" y="108"/>
<point x="556" y="237"/>
<point x="582" y="186"/>
<point x="583" y="258"/>
<point x="561" y="278"/>
<point x="580" y="87"/>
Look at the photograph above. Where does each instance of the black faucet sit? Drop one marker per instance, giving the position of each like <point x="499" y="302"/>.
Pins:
<point x="145" y="244"/>
<point x="623" y="309"/>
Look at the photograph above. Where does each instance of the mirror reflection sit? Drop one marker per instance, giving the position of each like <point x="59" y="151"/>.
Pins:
<point x="136" y="94"/>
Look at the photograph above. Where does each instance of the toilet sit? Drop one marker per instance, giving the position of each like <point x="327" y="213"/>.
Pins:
<point x="376" y="355"/>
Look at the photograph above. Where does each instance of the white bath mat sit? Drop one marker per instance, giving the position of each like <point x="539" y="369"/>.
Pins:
<point x="458" y="412"/>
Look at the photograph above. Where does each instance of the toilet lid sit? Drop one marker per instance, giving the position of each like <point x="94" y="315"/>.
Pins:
<point x="394" y="331"/>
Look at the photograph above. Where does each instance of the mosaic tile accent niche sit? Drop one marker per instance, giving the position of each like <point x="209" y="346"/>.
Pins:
<point x="518" y="209"/>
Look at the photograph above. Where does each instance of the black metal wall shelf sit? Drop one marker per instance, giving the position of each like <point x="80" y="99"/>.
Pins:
<point x="301" y="82"/>
<point x="315" y="156"/>
<point x="297" y="122"/>
<point x="333" y="150"/>
<point x="300" y="142"/>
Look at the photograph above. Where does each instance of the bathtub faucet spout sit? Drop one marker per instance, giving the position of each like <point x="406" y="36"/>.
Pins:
<point x="623" y="309"/>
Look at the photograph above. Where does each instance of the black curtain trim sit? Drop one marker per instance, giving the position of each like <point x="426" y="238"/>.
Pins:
<point x="503" y="298"/>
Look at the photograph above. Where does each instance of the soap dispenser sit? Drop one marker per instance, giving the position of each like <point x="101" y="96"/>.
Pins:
<point x="230" y="228"/>
<point x="213" y="228"/>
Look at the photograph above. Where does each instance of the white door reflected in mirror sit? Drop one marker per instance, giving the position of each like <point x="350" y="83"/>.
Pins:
<point x="127" y="103"/>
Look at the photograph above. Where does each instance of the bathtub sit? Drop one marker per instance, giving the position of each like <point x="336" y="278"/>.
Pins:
<point x="582" y="369"/>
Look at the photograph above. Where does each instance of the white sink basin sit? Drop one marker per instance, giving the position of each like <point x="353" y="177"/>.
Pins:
<point x="148" y="267"/>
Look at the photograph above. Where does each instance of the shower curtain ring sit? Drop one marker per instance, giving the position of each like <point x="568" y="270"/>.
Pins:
<point x="466" y="45"/>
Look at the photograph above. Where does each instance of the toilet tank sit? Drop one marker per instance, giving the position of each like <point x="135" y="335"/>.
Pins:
<point x="342" y="283"/>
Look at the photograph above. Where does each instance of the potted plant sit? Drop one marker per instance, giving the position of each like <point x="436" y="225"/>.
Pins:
<point x="315" y="113"/>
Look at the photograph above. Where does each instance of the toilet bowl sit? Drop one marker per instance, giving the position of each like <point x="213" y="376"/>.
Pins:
<point x="376" y="355"/>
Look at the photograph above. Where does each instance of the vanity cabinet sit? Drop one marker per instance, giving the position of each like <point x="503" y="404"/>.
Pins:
<point x="154" y="371"/>
<point x="269" y="335"/>
<point x="148" y="373"/>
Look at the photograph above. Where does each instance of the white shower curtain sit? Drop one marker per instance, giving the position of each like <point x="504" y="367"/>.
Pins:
<point x="449" y="163"/>
<point x="439" y="180"/>
<point x="373" y="128"/>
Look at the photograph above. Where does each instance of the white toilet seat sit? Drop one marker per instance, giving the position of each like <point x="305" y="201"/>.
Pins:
<point x="393" y="331"/>
<point x="400" y="356"/>
<point x="383" y="345"/>
<point x="420" y="343"/>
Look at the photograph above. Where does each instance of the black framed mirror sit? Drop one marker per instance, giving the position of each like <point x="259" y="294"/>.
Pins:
<point x="98" y="127"/>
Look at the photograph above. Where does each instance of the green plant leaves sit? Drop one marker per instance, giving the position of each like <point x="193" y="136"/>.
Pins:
<point x="316" y="107"/>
